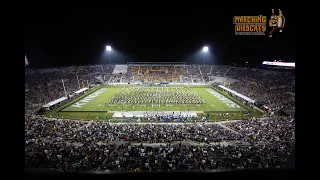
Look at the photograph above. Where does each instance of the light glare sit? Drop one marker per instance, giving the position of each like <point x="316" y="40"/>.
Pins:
<point x="108" y="48"/>
<point x="205" y="49"/>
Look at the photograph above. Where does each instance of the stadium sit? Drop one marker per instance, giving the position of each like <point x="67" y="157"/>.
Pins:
<point x="167" y="97"/>
<point x="117" y="95"/>
<point x="124" y="93"/>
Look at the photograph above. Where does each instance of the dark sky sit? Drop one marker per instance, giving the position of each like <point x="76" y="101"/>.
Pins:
<point x="55" y="37"/>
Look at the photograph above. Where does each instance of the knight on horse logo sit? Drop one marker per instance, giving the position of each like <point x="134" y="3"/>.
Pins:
<point x="276" y="22"/>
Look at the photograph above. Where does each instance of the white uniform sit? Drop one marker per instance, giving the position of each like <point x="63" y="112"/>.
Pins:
<point x="281" y="21"/>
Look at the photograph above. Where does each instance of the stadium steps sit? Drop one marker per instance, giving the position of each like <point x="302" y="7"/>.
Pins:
<point x="201" y="74"/>
<point x="226" y="72"/>
<point x="104" y="162"/>
<point x="225" y="127"/>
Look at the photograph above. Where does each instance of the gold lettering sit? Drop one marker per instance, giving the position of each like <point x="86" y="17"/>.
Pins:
<point x="245" y="19"/>
<point x="263" y="28"/>
<point x="247" y="28"/>
<point x="241" y="19"/>
<point x="236" y="19"/>
<point x="250" y="19"/>
<point x="264" y="19"/>
<point x="250" y="23"/>
<point x="258" y="28"/>
<point x="238" y="28"/>
<point x="259" y="19"/>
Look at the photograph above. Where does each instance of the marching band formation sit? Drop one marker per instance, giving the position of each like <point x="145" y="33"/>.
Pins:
<point x="156" y="95"/>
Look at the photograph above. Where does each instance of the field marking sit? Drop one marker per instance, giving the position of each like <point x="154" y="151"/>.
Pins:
<point x="211" y="98"/>
<point x="88" y="98"/>
<point x="223" y="99"/>
<point x="98" y="104"/>
<point x="207" y="95"/>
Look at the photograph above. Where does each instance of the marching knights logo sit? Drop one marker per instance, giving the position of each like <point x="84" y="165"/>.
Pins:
<point x="276" y="22"/>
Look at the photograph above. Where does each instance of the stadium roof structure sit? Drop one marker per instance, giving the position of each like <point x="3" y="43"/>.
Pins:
<point x="54" y="102"/>
<point x="80" y="91"/>
<point x="237" y="94"/>
<point x="156" y="63"/>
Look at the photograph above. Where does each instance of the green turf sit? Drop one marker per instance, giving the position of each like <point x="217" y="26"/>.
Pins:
<point x="212" y="103"/>
<point x="96" y="104"/>
<point x="95" y="109"/>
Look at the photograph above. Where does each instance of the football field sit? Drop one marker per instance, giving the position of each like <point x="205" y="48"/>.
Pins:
<point x="99" y="100"/>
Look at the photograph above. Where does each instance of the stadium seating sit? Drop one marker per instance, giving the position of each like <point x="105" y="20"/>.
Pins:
<point x="76" y="145"/>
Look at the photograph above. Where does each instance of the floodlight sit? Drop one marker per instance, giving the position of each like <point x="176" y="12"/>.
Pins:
<point x="205" y="49"/>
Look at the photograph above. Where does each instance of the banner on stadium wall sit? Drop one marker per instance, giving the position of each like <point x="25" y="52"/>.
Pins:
<point x="277" y="63"/>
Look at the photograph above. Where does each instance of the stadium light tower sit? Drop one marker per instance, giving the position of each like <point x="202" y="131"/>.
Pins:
<point x="205" y="50"/>
<point x="108" y="48"/>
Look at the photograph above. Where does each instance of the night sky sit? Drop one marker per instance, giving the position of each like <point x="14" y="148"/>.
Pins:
<point x="62" y="37"/>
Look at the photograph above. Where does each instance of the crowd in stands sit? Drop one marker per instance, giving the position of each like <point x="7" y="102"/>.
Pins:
<point x="273" y="88"/>
<point x="156" y="74"/>
<point x="119" y="75"/>
<point x="148" y="133"/>
<point x="187" y="158"/>
<point x="120" y="69"/>
<point x="205" y="70"/>
<point x="71" y="145"/>
<point x="45" y="85"/>
<point x="193" y="74"/>
<point x="271" y="130"/>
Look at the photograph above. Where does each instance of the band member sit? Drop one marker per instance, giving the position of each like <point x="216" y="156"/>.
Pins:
<point x="276" y="22"/>
<point x="273" y="23"/>
<point x="281" y="21"/>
